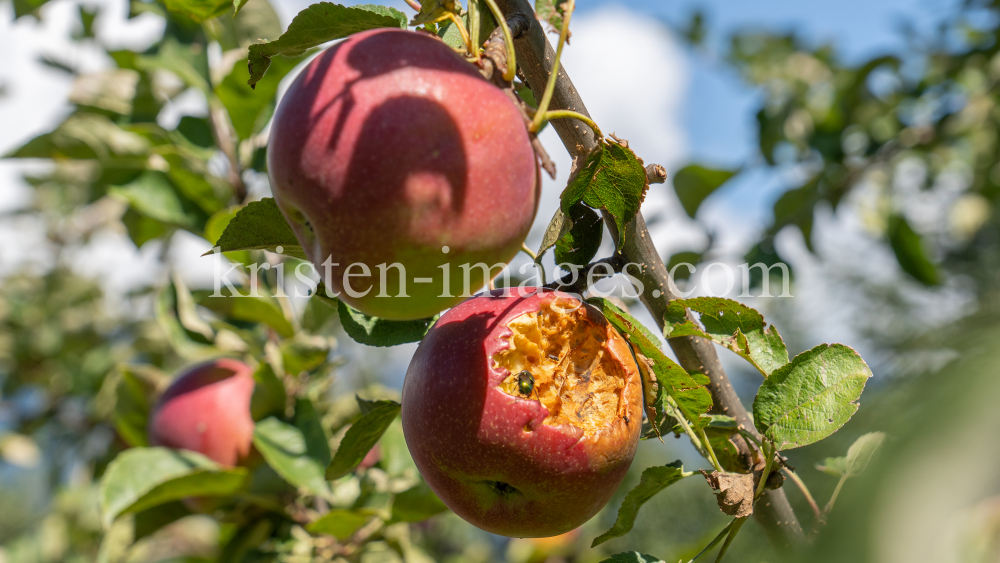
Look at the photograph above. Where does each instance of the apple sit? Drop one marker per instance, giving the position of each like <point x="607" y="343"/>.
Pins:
<point x="523" y="411"/>
<point x="207" y="410"/>
<point x="390" y="149"/>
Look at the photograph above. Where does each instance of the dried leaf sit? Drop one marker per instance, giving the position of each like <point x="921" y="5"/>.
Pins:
<point x="735" y="496"/>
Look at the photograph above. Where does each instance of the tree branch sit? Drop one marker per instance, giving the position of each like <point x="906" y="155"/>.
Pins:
<point x="534" y="54"/>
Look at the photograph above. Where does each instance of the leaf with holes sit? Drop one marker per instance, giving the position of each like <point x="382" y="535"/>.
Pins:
<point x="811" y="397"/>
<point x="362" y="437"/>
<point x="733" y="325"/>
<point x="260" y="226"/>
<point x="612" y="178"/>
<point x="316" y="25"/>
<point x="688" y="390"/>
<point x="653" y="480"/>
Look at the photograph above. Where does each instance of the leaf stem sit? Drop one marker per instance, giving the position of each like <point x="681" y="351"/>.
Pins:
<point x="474" y="24"/>
<point x="729" y="539"/>
<point x="556" y="114"/>
<point x="805" y="492"/>
<point x="684" y="424"/>
<point x="469" y="47"/>
<point x="543" y="104"/>
<point x="769" y="453"/>
<point x="718" y="537"/>
<point x="833" y="497"/>
<point x="507" y="38"/>
<point x="711" y="451"/>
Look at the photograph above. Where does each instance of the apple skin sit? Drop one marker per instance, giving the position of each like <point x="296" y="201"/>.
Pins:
<point x="207" y="410"/>
<point x="464" y="433"/>
<point x="387" y="148"/>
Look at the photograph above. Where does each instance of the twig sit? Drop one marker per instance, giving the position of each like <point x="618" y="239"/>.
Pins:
<point x="656" y="174"/>
<point x="729" y="539"/>
<point x="550" y="86"/>
<point x="774" y="513"/>
<point x="718" y="537"/>
<point x="805" y="492"/>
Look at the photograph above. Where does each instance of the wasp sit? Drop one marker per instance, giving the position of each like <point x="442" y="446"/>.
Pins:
<point x="525" y="382"/>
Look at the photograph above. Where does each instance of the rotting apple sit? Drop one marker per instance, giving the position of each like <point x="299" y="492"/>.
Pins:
<point x="390" y="149"/>
<point x="523" y="411"/>
<point x="207" y="410"/>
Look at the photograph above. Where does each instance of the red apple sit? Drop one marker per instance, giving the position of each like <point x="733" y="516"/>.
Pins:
<point x="207" y="410"/>
<point x="513" y="455"/>
<point x="389" y="148"/>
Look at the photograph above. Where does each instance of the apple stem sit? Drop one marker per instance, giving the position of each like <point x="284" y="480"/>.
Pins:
<point x="528" y="251"/>
<point x="805" y="492"/>
<point x="511" y="71"/>
<point x="543" y="104"/>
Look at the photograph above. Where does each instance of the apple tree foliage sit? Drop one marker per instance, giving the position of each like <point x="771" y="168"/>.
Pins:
<point x="334" y="478"/>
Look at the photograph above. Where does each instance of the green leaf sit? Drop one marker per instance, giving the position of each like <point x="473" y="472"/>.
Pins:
<point x="308" y="421"/>
<point x="216" y="225"/>
<point x="191" y="178"/>
<point x="110" y="90"/>
<point x="142" y="229"/>
<point x="653" y="480"/>
<point x="199" y="10"/>
<point x="189" y="62"/>
<point x="134" y="392"/>
<point x="152" y="195"/>
<point x="339" y="523"/>
<point x="551" y="11"/>
<point x="910" y="251"/>
<point x="450" y="34"/>
<point x="361" y="437"/>
<point x="141" y="478"/>
<point x="84" y="136"/>
<point x="416" y="504"/>
<point x="580" y="244"/>
<point x="632" y="557"/>
<point x="694" y="183"/>
<point x="811" y="397"/>
<point x="861" y="452"/>
<point x="283" y="446"/>
<point x="269" y="394"/>
<point x="611" y="178"/>
<point x="688" y="390"/>
<point x="733" y="325"/>
<point x="260" y="226"/>
<point x="836" y="466"/>
<point x="251" y="108"/>
<point x="318" y="24"/>
<point x="260" y="308"/>
<point x="152" y="519"/>
<point x="304" y="353"/>
<point x="373" y="331"/>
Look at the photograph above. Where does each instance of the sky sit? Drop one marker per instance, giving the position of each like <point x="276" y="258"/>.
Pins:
<point x="672" y="104"/>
